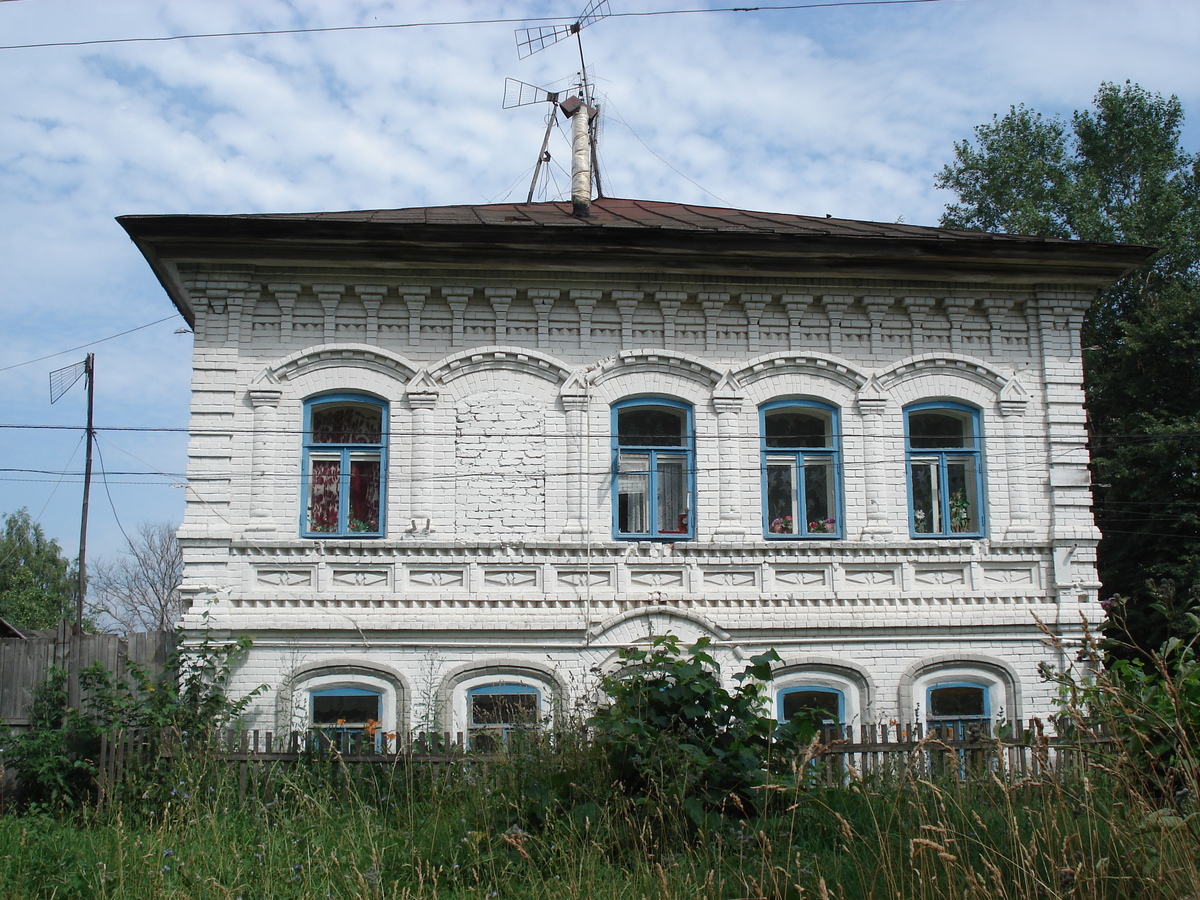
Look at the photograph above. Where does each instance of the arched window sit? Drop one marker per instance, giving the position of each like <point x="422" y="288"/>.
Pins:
<point x="945" y="484"/>
<point x="958" y="707"/>
<point x="826" y="700"/>
<point x="653" y="465"/>
<point x="345" y="461"/>
<point x="495" y="710"/>
<point x="801" y="470"/>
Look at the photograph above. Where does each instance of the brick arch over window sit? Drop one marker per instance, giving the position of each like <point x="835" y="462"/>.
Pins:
<point x="986" y="668"/>
<point x="496" y="671"/>
<point x="953" y="365"/>
<point x="812" y="368"/>
<point x="338" y="357"/>
<point x="794" y="669"/>
<point x="515" y="359"/>
<point x="639" y="624"/>
<point x="291" y="699"/>
<point x="662" y="362"/>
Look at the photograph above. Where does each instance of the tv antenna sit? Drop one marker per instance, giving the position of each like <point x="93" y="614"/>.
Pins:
<point x="532" y="40"/>
<point x="519" y="93"/>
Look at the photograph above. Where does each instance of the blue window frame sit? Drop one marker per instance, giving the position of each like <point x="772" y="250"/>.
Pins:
<point x="943" y="445"/>
<point x="801" y="470"/>
<point x="495" y="710"/>
<point x="829" y="701"/>
<point x="345" y="711"/>
<point x="653" y="470"/>
<point x="958" y="706"/>
<point x="345" y="466"/>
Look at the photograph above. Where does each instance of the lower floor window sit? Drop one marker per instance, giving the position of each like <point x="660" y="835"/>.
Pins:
<point x="960" y="708"/>
<point x="495" y="710"/>
<point x="829" y="703"/>
<point x="338" y="711"/>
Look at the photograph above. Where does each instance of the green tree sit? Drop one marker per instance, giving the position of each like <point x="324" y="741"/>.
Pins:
<point x="37" y="584"/>
<point x="1117" y="173"/>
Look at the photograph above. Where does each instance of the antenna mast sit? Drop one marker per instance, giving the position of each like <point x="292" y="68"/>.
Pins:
<point x="61" y="381"/>
<point x="529" y="42"/>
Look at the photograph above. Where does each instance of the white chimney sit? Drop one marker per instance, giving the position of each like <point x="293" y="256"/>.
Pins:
<point x="580" y="115"/>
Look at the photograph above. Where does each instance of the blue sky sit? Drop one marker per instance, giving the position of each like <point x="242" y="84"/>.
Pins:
<point x="847" y="110"/>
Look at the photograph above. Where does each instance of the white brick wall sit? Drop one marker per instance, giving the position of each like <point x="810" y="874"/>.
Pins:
<point x="518" y="572"/>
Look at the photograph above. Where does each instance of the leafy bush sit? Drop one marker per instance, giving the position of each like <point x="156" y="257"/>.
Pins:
<point x="671" y="730"/>
<point x="55" y="761"/>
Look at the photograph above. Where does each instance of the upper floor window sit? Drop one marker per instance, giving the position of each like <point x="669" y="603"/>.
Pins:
<point x="801" y="470"/>
<point x="944" y="470"/>
<point x="653" y="464"/>
<point x="345" y="457"/>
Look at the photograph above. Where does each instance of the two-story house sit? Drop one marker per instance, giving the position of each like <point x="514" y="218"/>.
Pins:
<point x="445" y="462"/>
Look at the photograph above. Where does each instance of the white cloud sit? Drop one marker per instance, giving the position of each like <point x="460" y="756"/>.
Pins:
<point x="849" y="111"/>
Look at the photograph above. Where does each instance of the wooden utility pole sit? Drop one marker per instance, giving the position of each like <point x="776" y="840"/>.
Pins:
<point x="89" y="373"/>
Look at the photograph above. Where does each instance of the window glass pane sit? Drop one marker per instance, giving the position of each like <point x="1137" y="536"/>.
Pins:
<point x="938" y="430"/>
<point x="790" y="428"/>
<point x="347" y="424"/>
<point x="650" y="426"/>
<point x="827" y="702"/>
<point x="334" y="709"/>
<point x="818" y="496"/>
<point x="962" y="489"/>
<point x="672" y="495"/>
<point x="956" y="702"/>
<point x="781" y="495"/>
<point x="364" y="493"/>
<point x="504" y="709"/>
<point x="633" y="488"/>
<point x="324" y="485"/>
<point x="926" y="505"/>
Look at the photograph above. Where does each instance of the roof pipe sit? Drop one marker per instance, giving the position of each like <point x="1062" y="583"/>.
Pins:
<point x="580" y="115"/>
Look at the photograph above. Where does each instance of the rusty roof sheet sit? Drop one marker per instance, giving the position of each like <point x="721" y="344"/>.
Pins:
<point x="639" y="214"/>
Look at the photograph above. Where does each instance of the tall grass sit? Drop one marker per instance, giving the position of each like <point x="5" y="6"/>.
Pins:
<point x="543" y="822"/>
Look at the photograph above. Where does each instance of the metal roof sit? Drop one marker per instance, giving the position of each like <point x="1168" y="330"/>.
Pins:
<point x="608" y="212"/>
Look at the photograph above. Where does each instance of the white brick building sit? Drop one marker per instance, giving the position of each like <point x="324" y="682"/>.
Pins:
<point x="445" y="462"/>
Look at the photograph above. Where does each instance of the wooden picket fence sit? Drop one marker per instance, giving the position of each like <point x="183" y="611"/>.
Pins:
<point x="840" y="754"/>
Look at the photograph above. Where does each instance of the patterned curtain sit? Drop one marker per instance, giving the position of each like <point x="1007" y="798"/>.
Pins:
<point x="324" y="480"/>
<point x="364" y="495"/>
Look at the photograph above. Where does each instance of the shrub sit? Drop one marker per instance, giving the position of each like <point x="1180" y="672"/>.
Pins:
<point x="670" y="729"/>
<point x="55" y="761"/>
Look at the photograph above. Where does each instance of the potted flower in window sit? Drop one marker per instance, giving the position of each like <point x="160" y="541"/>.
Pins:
<point x="782" y="525"/>
<point x="822" y="526"/>
<point x="960" y="512"/>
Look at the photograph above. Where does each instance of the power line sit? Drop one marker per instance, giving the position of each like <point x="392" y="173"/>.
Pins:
<point x="30" y="362"/>
<point x="451" y="22"/>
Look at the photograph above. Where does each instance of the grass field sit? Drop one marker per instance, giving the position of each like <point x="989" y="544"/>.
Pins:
<point x="541" y="823"/>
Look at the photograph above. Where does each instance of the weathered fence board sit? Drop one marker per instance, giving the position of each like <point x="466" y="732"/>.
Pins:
<point x="25" y="663"/>
<point x="838" y="755"/>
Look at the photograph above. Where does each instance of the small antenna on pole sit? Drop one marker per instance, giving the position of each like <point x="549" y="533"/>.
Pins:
<point x="518" y="93"/>
<point x="531" y="40"/>
<point x="61" y="381"/>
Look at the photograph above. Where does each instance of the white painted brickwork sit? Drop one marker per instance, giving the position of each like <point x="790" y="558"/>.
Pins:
<point x="499" y="559"/>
